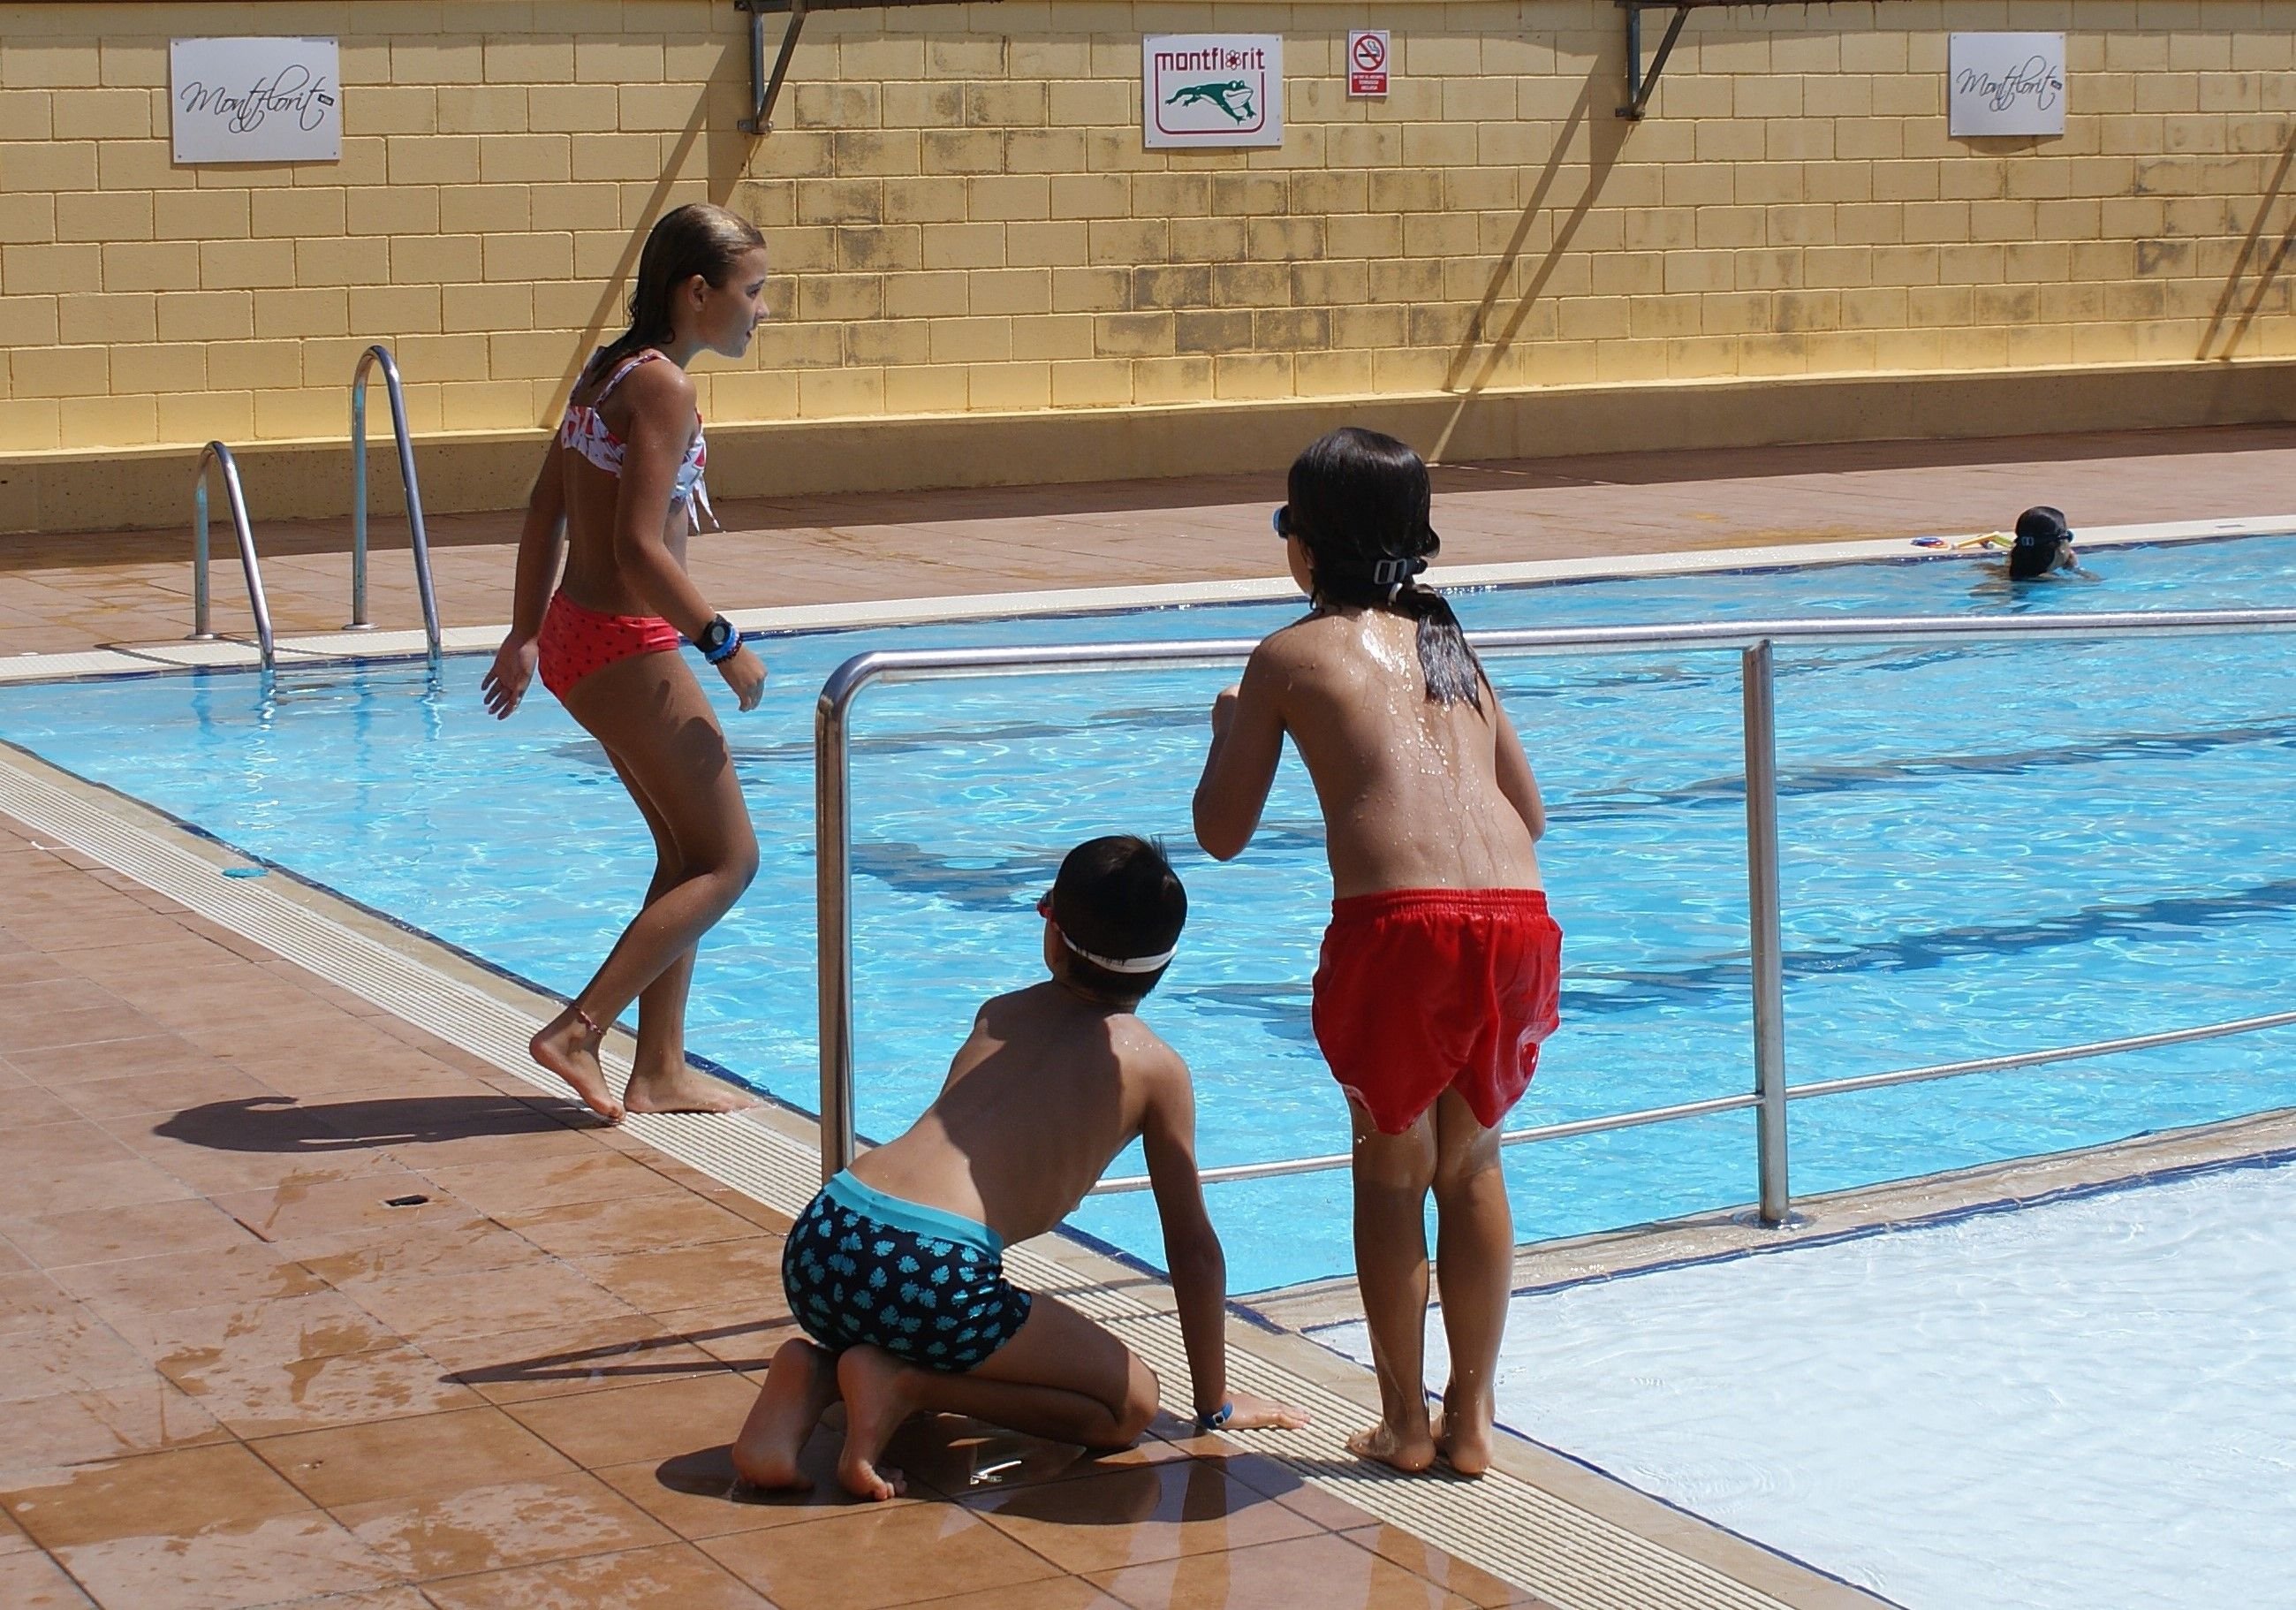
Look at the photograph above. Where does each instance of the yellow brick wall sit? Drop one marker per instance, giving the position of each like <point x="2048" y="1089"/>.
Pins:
<point x="962" y="218"/>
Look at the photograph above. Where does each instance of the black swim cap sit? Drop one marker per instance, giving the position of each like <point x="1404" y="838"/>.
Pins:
<point x="2042" y="528"/>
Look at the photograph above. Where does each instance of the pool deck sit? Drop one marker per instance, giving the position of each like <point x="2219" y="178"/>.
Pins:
<point x="243" y="1377"/>
<point x="61" y="594"/>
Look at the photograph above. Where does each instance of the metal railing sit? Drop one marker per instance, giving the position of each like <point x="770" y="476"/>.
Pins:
<point x="215" y="452"/>
<point x="1753" y="640"/>
<point x="421" y="537"/>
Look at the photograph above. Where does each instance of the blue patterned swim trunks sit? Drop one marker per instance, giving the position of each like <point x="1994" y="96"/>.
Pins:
<point x="927" y="1287"/>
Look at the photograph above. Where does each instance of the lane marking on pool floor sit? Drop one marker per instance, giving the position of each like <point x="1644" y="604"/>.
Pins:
<point x="319" y="649"/>
<point x="1535" y="1539"/>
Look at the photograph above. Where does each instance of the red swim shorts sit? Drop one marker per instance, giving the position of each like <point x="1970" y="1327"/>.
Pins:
<point x="577" y="641"/>
<point x="1424" y="990"/>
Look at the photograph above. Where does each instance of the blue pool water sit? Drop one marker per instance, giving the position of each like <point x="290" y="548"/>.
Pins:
<point x="1988" y="849"/>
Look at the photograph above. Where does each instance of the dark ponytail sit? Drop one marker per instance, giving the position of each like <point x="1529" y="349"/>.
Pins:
<point x="696" y="238"/>
<point x="1359" y="503"/>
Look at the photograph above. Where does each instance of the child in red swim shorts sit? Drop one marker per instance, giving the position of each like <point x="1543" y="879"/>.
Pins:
<point x="1440" y="973"/>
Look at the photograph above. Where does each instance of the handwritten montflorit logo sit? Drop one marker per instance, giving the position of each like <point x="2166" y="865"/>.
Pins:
<point x="294" y="92"/>
<point x="2033" y="82"/>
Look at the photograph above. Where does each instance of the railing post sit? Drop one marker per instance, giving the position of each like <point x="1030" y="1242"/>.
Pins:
<point x="200" y="633"/>
<point x="358" y="621"/>
<point x="1762" y="913"/>
<point x="832" y="847"/>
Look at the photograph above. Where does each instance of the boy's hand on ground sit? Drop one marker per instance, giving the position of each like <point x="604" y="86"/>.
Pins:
<point x="745" y="674"/>
<point x="1259" y="1414"/>
<point x="506" y="680"/>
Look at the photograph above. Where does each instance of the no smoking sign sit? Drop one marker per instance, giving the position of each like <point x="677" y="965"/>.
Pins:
<point x="1367" y="61"/>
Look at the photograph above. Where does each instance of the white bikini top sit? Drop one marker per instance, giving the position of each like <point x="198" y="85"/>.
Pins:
<point x="587" y="433"/>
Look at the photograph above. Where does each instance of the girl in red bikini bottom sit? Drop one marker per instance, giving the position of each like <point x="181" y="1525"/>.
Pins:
<point x="615" y="501"/>
<point x="1440" y="970"/>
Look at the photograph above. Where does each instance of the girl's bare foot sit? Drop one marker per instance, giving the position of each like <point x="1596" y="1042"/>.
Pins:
<point x="801" y="1385"/>
<point x="682" y="1088"/>
<point x="870" y="1380"/>
<point x="1462" y="1436"/>
<point x="1409" y="1453"/>
<point x="568" y="1046"/>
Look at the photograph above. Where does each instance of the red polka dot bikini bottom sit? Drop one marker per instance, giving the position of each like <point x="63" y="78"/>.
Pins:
<point x="577" y="641"/>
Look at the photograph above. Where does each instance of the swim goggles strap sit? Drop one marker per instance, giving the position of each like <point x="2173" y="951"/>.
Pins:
<point x="1394" y="572"/>
<point x="1111" y="963"/>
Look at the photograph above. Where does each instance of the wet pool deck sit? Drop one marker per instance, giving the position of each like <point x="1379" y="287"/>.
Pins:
<point x="241" y="1377"/>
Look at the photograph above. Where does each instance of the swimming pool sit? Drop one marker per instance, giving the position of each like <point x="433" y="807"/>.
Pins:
<point x="2079" y="1403"/>
<point x="1988" y="849"/>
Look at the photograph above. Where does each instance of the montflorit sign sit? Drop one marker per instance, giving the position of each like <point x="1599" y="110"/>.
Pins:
<point x="2005" y="84"/>
<point x="255" y="100"/>
<point x="1211" y="89"/>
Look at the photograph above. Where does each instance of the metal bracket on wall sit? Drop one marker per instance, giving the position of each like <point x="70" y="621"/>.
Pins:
<point x="1639" y="84"/>
<point x="764" y="88"/>
<point x="764" y="91"/>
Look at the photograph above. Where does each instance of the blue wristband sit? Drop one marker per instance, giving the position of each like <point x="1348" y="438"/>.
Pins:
<point x="1207" y="1423"/>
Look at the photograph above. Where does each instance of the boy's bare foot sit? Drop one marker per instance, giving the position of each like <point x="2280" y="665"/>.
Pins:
<point x="870" y="1380"/>
<point x="568" y="1046"/>
<point x="1409" y="1454"/>
<point x="682" y="1089"/>
<point x="801" y="1385"/>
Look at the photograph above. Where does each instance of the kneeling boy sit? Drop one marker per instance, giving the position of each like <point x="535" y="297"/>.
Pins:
<point x="896" y="1271"/>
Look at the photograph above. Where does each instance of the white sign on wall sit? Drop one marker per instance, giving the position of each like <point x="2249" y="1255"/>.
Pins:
<point x="1211" y="89"/>
<point x="255" y="100"/>
<point x="1367" y="61"/>
<point x="2005" y="84"/>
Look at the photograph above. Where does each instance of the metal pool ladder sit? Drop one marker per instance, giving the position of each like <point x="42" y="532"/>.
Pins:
<point x="379" y="354"/>
<point x="217" y="453"/>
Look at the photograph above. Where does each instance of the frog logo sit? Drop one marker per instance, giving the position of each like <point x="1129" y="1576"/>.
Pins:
<point x="1221" y="96"/>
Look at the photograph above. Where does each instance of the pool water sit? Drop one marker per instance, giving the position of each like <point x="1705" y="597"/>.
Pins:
<point x="2079" y="1404"/>
<point x="1988" y="849"/>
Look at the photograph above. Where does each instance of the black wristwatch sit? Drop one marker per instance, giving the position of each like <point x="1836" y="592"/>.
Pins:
<point x="719" y="640"/>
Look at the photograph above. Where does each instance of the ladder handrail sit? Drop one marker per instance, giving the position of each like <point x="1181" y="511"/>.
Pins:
<point x="379" y="354"/>
<point x="217" y="453"/>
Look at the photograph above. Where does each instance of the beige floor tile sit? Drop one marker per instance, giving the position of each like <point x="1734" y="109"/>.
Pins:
<point x="481" y="1529"/>
<point x="75" y="1427"/>
<point x="656" y="1421"/>
<point x="176" y="1493"/>
<point x="640" y="1224"/>
<point x="70" y="1352"/>
<point x="256" y="1398"/>
<point x="266" y="1562"/>
<point x="421" y="1455"/>
<point x="883" y="1555"/>
<point x="1325" y="1571"/>
<point x="29" y="1300"/>
<point x="524" y="1296"/>
<point x="31" y="1581"/>
<point x="249" y="1273"/>
<point x="660" y="1281"/>
<point x="510" y="1187"/>
<point x="1054" y="1593"/>
<point x="321" y="1325"/>
<point x="1151" y="1512"/>
<point x="671" y="1577"/>
<point x="1470" y="1582"/>
<point x="564" y="1360"/>
<point x="108" y="1059"/>
<point x="174" y="1229"/>
<point x="301" y="1207"/>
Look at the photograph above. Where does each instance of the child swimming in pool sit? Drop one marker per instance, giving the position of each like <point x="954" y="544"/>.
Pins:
<point x="896" y="1271"/>
<point x="1439" y="974"/>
